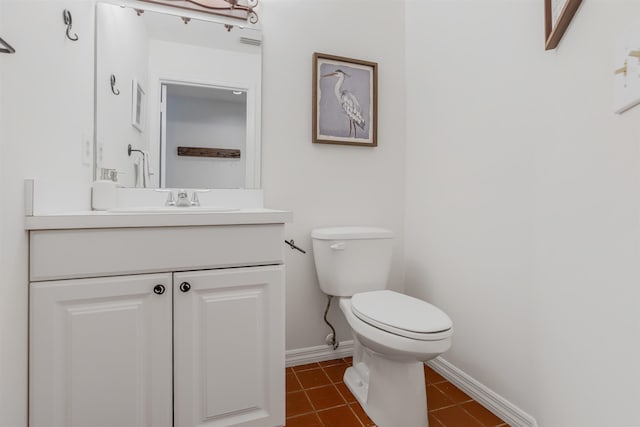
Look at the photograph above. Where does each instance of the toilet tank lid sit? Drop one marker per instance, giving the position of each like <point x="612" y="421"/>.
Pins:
<point x="351" y="233"/>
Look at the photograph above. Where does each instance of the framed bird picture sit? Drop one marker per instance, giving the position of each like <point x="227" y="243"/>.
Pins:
<point x="345" y="101"/>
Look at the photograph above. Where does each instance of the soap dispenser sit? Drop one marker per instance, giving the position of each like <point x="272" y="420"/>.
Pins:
<point x="103" y="191"/>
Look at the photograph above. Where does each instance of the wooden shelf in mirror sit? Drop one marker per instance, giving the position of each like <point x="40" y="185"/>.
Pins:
<point x="226" y="153"/>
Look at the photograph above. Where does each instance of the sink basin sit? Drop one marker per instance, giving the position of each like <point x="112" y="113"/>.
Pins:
<point x="173" y="209"/>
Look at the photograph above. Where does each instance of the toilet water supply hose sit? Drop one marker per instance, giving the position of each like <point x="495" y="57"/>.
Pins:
<point x="334" y="341"/>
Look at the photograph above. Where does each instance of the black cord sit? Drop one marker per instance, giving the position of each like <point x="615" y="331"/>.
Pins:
<point x="334" y="341"/>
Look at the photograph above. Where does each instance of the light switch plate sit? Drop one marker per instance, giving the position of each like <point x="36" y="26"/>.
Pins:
<point x="28" y="196"/>
<point x="86" y="150"/>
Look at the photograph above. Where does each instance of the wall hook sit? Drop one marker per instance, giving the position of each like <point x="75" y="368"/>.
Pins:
<point x="130" y="149"/>
<point x="113" y="85"/>
<point x="68" y="21"/>
<point x="293" y="246"/>
<point x="7" y="47"/>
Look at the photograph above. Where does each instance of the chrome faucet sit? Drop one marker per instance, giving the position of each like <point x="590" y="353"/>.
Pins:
<point x="170" y="200"/>
<point x="183" y="199"/>
<point x="195" y="201"/>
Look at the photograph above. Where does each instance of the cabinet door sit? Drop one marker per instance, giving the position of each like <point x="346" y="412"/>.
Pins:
<point x="229" y="347"/>
<point x="100" y="352"/>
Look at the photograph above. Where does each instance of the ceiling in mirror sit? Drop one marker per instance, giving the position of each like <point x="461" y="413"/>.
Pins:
<point x="184" y="93"/>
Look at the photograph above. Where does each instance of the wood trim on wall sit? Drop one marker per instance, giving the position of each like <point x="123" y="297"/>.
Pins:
<point x="552" y="33"/>
<point x="226" y="153"/>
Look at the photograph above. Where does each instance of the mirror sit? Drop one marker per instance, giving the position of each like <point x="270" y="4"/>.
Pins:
<point x="177" y="99"/>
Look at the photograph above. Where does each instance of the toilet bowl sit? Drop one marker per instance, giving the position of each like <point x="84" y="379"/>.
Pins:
<point x="393" y="334"/>
<point x="387" y="376"/>
<point x="382" y="331"/>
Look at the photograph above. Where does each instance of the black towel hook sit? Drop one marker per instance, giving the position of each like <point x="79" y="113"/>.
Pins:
<point x="113" y="85"/>
<point x="130" y="149"/>
<point x="7" y="47"/>
<point x="292" y="244"/>
<point x="68" y="21"/>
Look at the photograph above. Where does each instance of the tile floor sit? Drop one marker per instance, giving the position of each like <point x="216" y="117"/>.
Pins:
<point x="316" y="396"/>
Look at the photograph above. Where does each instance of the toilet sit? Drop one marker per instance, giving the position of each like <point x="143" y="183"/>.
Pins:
<point x="393" y="333"/>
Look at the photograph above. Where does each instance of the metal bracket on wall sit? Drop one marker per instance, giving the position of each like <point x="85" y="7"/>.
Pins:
<point x="7" y="47"/>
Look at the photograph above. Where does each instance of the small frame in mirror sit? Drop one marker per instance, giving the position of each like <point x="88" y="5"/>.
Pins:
<point x="138" y="101"/>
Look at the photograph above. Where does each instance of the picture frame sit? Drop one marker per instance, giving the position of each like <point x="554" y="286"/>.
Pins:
<point x="557" y="17"/>
<point x="138" y="105"/>
<point x="344" y="101"/>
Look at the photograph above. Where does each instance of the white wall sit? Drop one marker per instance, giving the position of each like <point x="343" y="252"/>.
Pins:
<point x="7" y="356"/>
<point x="522" y="203"/>
<point x="324" y="184"/>
<point x="46" y="108"/>
<point x="123" y="53"/>
<point x="194" y="121"/>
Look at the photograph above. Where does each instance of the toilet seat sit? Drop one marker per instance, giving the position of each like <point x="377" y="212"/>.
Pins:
<point x="400" y="314"/>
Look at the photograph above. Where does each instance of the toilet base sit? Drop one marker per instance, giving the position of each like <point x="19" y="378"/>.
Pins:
<point x="391" y="392"/>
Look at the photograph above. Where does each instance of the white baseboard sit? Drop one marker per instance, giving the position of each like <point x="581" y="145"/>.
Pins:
<point x="495" y="403"/>
<point x="320" y="353"/>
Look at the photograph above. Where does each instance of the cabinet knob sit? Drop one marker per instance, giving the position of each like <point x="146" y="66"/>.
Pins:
<point x="185" y="286"/>
<point x="158" y="289"/>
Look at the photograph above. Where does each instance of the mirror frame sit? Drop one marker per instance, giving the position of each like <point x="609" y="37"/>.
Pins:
<point x="253" y="171"/>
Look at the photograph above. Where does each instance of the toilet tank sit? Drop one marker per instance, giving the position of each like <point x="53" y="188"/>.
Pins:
<point x="350" y="260"/>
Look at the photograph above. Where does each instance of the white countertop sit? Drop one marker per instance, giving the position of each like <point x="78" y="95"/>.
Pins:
<point x="102" y="219"/>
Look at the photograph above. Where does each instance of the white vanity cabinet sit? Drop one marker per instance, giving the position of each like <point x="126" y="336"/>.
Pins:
<point x="157" y="326"/>
<point x="100" y="352"/>
<point x="226" y="342"/>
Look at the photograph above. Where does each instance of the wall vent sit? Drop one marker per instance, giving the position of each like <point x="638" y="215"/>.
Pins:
<point x="249" y="40"/>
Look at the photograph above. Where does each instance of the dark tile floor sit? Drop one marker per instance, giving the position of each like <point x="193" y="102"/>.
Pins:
<point x="316" y="396"/>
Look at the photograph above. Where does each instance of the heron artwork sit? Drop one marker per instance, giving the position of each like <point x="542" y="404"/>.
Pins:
<point x="348" y="102"/>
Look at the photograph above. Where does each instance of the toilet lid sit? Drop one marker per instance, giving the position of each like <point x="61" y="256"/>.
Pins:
<point x="399" y="314"/>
